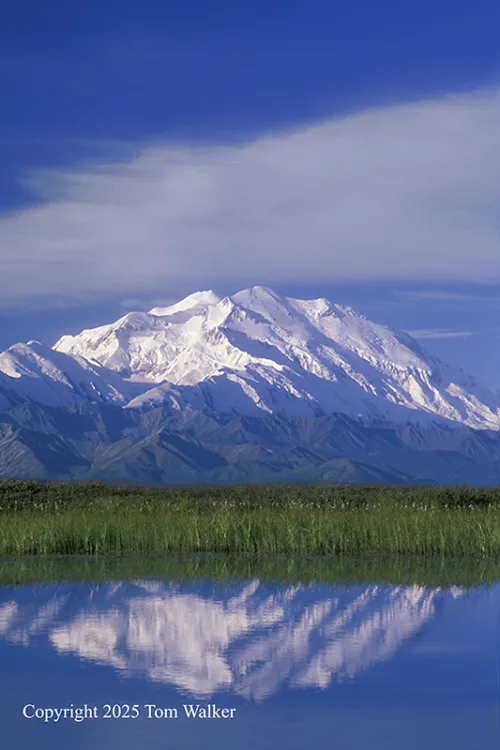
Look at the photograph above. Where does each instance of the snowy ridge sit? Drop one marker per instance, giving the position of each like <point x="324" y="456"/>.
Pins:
<point x="191" y="305"/>
<point x="37" y="372"/>
<point x="259" y="352"/>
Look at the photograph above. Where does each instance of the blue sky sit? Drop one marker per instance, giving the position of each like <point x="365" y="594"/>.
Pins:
<point x="344" y="149"/>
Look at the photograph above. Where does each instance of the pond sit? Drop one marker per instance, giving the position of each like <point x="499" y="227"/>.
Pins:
<point x="194" y="662"/>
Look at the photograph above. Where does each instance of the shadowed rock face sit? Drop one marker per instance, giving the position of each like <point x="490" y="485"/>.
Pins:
<point x="249" y="639"/>
<point x="103" y="441"/>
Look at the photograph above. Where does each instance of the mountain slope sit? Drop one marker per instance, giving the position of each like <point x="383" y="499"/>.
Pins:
<point x="259" y="352"/>
<point x="38" y="373"/>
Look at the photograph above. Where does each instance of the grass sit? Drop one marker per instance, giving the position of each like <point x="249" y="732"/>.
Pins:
<point x="92" y="519"/>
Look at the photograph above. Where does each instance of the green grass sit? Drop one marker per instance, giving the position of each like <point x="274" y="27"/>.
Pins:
<point x="334" y="521"/>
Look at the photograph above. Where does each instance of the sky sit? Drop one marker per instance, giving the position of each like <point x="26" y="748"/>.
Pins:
<point x="348" y="150"/>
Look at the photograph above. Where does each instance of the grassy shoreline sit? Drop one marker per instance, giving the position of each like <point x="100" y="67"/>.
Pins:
<point x="92" y="519"/>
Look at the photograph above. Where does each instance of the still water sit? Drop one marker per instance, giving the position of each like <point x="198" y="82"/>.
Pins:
<point x="269" y="665"/>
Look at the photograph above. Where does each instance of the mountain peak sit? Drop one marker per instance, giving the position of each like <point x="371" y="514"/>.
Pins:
<point x="258" y="291"/>
<point x="262" y="293"/>
<point x="134" y="320"/>
<point x="198" y="300"/>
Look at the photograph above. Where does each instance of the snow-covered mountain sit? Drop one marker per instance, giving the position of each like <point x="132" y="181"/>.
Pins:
<point x="259" y="352"/>
<point x="251" y="354"/>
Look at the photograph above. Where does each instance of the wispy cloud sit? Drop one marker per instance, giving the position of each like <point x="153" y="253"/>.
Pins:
<point x="448" y="297"/>
<point x="408" y="192"/>
<point x="133" y="303"/>
<point x="439" y="333"/>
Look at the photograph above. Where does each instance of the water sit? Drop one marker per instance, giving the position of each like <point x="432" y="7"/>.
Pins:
<point x="302" y="666"/>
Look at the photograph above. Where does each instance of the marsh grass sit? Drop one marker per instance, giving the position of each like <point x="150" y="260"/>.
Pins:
<point x="92" y="519"/>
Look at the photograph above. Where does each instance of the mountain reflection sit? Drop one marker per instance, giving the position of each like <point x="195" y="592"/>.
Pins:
<point x="249" y="639"/>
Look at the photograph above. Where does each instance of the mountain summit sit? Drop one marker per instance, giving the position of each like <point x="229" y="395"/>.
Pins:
<point x="259" y="352"/>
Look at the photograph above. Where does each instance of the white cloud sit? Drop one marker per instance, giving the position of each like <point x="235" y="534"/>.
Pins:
<point x="439" y="333"/>
<point x="409" y="192"/>
<point x="459" y="299"/>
